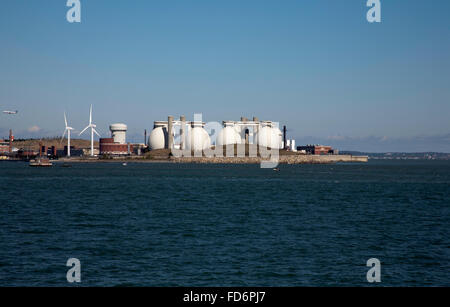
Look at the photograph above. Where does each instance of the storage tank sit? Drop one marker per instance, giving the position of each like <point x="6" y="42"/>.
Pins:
<point x="159" y="136"/>
<point x="228" y="136"/>
<point x="198" y="138"/>
<point x="119" y="133"/>
<point x="270" y="137"/>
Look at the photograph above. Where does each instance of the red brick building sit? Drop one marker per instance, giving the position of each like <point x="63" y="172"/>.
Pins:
<point x="4" y="146"/>
<point x="109" y="147"/>
<point x="317" y="149"/>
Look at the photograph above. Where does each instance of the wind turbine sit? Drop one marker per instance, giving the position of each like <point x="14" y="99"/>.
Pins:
<point x="92" y="126"/>
<point x="68" y="129"/>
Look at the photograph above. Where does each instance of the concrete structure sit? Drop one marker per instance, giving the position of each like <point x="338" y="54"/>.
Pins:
<point x="263" y="133"/>
<point x="192" y="135"/>
<point x="292" y="146"/>
<point x="119" y="133"/>
<point x="170" y="132"/>
<point x="283" y="159"/>
<point x="137" y="148"/>
<point x="181" y="134"/>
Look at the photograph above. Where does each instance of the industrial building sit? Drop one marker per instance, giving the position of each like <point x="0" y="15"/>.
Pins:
<point x="109" y="147"/>
<point x="262" y="133"/>
<point x="290" y="145"/>
<point x="6" y="145"/>
<point x="193" y="136"/>
<point x="74" y="152"/>
<point x="116" y="144"/>
<point x="47" y="151"/>
<point x="318" y="150"/>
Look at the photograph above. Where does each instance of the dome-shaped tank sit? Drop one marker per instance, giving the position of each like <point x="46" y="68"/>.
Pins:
<point x="278" y="135"/>
<point x="228" y="136"/>
<point x="269" y="137"/>
<point x="198" y="139"/>
<point x="118" y="127"/>
<point x="158" y="138"/>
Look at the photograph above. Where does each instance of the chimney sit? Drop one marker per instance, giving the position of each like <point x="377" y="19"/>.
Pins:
<point x="284" y="138"/>
<point x="145" y="137"/>
<point x="11" y="139"/>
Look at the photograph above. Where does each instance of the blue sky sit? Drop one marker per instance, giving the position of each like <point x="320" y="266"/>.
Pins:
<point x="316" y="66"/>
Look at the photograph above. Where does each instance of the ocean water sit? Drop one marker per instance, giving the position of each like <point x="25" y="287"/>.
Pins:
<point x="225" y="225"/>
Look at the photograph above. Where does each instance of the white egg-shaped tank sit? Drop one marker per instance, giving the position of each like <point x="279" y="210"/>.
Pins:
<point x="278" y="135"/>
<point x="228" y="136"/>
<point x="158" y="138"/>
<point x="269" y="137"/>
<point x="198" y="139"/>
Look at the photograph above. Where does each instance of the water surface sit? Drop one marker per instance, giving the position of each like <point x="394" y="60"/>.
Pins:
<point x="225" y="225"/>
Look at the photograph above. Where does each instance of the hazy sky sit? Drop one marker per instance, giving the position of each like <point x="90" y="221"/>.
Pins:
<point x="316" y="66"/>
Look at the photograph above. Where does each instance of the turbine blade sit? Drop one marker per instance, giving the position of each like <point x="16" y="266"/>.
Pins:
<point x="90" y="116"/>
<point x="65" y="119"/>
<point x="96" y="132"/>
<point x="84" y="130"/>
<point x="62" y="138"/>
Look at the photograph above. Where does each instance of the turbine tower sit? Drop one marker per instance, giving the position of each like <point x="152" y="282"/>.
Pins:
<point x="92" y="126"/>
<point x="68" y="129"/>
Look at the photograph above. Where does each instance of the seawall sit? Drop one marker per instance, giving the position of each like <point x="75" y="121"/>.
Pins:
<point x="283" y="159"/>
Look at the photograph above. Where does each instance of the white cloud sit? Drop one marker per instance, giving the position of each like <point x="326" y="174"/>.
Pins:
<point x="34" y="129"/>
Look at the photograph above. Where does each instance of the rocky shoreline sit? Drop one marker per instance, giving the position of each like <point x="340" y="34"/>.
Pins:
<point x="283" y="159"/>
